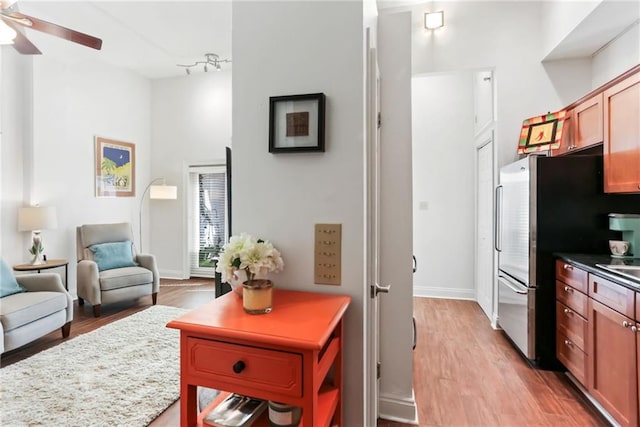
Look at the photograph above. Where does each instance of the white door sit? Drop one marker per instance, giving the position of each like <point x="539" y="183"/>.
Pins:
<point x="484" y="226"/>
<point x="373" y="236"/>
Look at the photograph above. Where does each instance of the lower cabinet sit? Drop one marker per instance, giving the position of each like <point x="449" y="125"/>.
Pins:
<point x="613" y="373"/>
<point x="597" y="339"/>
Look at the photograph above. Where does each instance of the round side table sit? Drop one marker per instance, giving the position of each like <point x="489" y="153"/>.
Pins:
<point x="52" y="263"/>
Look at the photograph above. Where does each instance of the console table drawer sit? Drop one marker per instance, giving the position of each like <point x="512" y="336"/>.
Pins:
<point x="245" y="366"/>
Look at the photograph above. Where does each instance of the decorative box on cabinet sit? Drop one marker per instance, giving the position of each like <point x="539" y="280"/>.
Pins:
<point x="292" y="355"/>
<point x="571" y="322"/>
<point x="622" y="136"/>
<point x="566" y="143"/>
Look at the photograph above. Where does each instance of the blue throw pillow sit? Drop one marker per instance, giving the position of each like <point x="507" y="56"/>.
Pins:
<point x="8" y="282"/>
<point x="113" y="255"/>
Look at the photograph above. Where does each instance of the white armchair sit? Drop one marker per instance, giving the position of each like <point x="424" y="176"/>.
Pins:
<point x="101" y="281"/>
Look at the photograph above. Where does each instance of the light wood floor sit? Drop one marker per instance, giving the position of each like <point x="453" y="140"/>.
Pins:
<point x="465" y="373"/>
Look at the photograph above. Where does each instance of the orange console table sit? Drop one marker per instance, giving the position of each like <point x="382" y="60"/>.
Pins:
<point x="284" y="356"/>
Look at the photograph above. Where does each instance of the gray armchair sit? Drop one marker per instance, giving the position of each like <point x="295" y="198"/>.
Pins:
<point x="43" y="308"/>
<point x="113" y="284"/>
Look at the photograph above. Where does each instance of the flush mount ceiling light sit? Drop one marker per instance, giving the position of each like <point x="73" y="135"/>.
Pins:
<point x="209" y="59"/>
<point x="433" y="20"/>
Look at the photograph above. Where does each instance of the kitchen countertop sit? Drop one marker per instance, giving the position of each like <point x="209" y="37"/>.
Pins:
<point x="588" y="262"/>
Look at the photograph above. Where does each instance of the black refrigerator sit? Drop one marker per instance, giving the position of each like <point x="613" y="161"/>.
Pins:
<point x="546" y="205"/>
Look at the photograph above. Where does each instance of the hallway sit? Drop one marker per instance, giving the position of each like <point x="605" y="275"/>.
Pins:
<point x="467" y="374"/>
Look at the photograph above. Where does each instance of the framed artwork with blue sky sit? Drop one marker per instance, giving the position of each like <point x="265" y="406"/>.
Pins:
<point x="115" y="168"/>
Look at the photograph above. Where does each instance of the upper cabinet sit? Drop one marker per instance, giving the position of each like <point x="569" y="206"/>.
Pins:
<point x="621" y="104"/>
<point x="587" y="122"/>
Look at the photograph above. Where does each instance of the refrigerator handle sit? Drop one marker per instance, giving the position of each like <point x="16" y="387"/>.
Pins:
<point x="497" y="212"/>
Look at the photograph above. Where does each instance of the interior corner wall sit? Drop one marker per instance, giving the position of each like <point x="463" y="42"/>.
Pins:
<point x="396" y="399"/>
<point x="191" y="124"/>
<point x="619" y="56"/>
<point x="560" y="18"/>
<point x="72" y="103"/>
<point x="288" y="48"/>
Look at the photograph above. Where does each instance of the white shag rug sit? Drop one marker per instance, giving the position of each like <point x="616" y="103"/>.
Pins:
<point x="123" y="374"/>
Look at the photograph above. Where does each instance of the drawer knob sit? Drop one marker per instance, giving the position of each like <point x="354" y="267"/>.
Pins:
<point x="568" y="342"/>
<point x="626" y="324"/>
<point x="239" y="366"/>
<point x="567" y="311"/>
<point x="568" y="289"/>
<point x="568" y="267"/>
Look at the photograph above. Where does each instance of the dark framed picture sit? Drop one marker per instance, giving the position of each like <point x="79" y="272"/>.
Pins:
<point x="541" y="133"/>
<point x="296" y="123"/>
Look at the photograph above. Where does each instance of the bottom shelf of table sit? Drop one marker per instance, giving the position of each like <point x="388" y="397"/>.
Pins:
<point x="327" y="403"/>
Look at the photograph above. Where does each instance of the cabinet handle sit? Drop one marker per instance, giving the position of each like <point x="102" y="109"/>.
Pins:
<point x="239" y="366"/>
<point x="568" y="342"/>
<point x="626" y="324"/>
<point x="634" y="329"/>
<point x="567" y="311"/>
<point x="568" y="267"/>
<point x="568" y="289"/>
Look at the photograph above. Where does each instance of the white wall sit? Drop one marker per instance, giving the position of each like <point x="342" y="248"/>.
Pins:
<point x="559" y="19"/>
<point x="507" y="38"/>
<point x="396" y="400"/>
<point x="191" y="124"/>
<point x="15" y="121"/>
<point x="71" y="104"/>
<point x="443" y="182"/>
<point x="281" y="196"/>
<point x="619" y="56"/>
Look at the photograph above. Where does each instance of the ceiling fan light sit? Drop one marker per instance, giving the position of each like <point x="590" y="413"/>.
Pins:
<point x="7" y="34"/>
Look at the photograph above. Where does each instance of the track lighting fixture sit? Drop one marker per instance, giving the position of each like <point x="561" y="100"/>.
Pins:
<point x="209" y="59"/>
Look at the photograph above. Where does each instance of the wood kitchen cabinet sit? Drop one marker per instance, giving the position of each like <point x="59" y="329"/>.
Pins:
<point x="622" y="136"/>
<point x="571" y="322"/>
<point x="613" y="374"/>
<point x="588" y="123"/>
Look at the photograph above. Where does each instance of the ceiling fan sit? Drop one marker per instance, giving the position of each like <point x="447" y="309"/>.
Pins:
<point x="14" y="20"/>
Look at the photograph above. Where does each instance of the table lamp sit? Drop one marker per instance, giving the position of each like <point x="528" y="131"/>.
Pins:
<point x="35" y="219"/>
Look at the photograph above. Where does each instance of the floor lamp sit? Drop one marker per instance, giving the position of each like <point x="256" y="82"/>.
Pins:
<point x="157" y="192"/>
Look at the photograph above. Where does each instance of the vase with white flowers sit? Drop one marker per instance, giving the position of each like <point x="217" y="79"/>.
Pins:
<point x="255" y="258"/>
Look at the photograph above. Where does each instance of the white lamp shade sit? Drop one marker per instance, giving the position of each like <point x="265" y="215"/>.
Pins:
<point x="433" y="20"/>
<point x="37" y="218"/>
<point x="165" y="192"/>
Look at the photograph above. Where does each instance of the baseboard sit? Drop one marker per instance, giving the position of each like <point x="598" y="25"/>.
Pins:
<point x="402" y="410"/>
<point x="429" y="292"/>
<point x="171" y="274"/>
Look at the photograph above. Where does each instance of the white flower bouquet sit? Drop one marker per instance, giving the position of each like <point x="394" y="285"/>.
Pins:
<point x="256" y="257"/>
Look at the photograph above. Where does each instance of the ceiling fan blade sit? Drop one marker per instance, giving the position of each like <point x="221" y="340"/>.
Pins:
<point x="21" y="43"/>
<point x="6" y="4"/>
<point x="54" y="29"/>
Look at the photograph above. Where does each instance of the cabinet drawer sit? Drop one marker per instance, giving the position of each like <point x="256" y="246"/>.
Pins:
<point x="571" y="325"/>
<point x="249" y="367"/>
<point x="572" y="276"/>
<point x="612" y="295"/>
<point x="574" y="359"/>
<point x="575" y="300"/>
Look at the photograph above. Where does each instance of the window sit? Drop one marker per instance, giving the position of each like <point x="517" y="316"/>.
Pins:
<point x="207" y="217"/>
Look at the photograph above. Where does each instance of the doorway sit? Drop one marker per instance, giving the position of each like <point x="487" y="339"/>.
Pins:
<point x="207" y="217"/>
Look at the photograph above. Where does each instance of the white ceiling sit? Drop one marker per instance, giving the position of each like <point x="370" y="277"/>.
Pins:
<point x="147" y="37"/>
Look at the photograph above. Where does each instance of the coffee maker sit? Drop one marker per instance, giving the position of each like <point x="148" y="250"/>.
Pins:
<point x="629" y="225"/>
